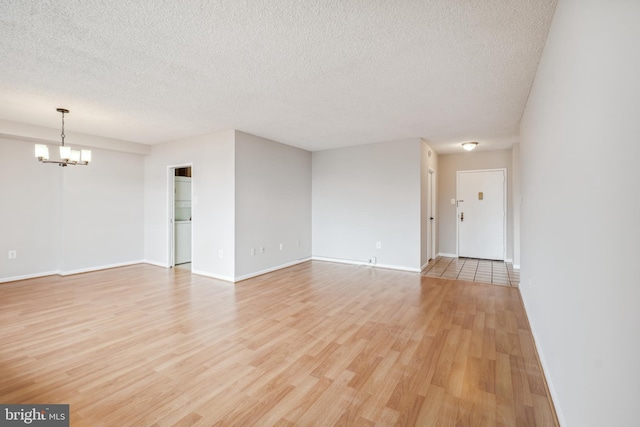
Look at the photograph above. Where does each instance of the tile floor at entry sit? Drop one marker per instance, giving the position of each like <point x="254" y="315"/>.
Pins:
<point x="475" y="270"/>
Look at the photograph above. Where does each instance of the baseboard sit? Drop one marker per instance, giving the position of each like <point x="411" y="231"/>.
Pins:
<point x="342" y="261"/>
<point x="69" y="272"/>
<point x="102" y="267"/>
<point x="157" y="264"/>
<point x="543" y="365"/>
<point x="425" y="265"/>
<point x="212" y="276"/>
<point x="271" y="269"/>
<point x="366" y="264"/>
<point x="27" y="276"/>
<point x="448" y="255"/>
<point x="206" y="274"/>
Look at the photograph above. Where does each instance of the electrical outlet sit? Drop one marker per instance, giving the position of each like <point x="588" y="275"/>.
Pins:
<point x="453" y="201"/>
<point x="253" y="251"/>
<point x="530" y="282"/>
<point x="13" y="254"/>
<point x="220" y="253"/>
<point x="281" y="246"/>
<point x="378" y="245"/>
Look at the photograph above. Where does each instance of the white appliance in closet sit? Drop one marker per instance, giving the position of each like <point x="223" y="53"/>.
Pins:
<point x="182" y="219"/>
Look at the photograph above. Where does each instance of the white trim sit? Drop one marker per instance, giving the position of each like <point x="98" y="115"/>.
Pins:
<point x="212" y="276"/>
<point x="516" y="266"/>
<point x="156" y="263"/>
<point x="102" y="267"/>
<point x="447" y="255"/>
<point x="271" y="269"/>
<point x="431" y="213"/>
<point x="366" y="264"/>
<point x="543" y="364"/>
<point x="399" y="268"/>
<point x="509" y="260"/>
<point x="27" y="276"/>
<point x="72" y="272"/>
<point x="341" y="261"/>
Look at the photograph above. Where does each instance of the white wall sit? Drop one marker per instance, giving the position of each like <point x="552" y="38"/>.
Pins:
<point x="272" y="204"/>
<point x="103" y="211"/>
<point x="64" y="220"/>
<point x="213" y="207"/>
<point x="29" y="211"/>
<point x="448" y="165"/>
<point x="516" y="202"/>
<point x="580" y="232"/>
<point x="367" y="194"/>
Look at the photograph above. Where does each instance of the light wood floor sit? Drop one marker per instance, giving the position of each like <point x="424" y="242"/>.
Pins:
<point x="315" y="344"/>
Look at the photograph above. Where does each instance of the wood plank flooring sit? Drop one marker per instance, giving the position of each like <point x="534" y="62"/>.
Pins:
<point x="317" y="344"/>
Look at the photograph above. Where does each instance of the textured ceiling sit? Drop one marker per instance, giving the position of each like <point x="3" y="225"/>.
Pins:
<point x="312" y="74"/>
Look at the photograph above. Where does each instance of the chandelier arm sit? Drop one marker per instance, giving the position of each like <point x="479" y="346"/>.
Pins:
<point x="58" y="162"/>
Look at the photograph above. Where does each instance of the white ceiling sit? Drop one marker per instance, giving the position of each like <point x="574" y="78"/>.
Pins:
<point x="313" y="74"/>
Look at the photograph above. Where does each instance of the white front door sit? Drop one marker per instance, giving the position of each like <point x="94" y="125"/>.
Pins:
<point x="481" y="213"/>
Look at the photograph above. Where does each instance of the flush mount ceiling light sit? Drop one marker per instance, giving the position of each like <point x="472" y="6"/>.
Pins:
<point x="469" y="145"/>
<point x="67" y="155"/>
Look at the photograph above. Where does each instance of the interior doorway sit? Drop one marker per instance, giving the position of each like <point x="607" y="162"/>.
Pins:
<point x="180" y="186"/>
<point x="481" y="214"/>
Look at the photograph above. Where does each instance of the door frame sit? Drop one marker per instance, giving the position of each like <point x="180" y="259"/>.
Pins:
<point x="431" y="209"/>
<point x="504" y="204"/>
<point x="171" y="231"/>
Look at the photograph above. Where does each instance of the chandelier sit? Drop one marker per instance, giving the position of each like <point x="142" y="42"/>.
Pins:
<point x="67" y="155"/>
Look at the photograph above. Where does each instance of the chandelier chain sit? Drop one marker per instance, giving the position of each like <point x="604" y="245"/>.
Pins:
<point x="62" y="134"/>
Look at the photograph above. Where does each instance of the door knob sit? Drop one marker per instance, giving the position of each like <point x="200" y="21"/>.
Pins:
<point x="461" y="216"/>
